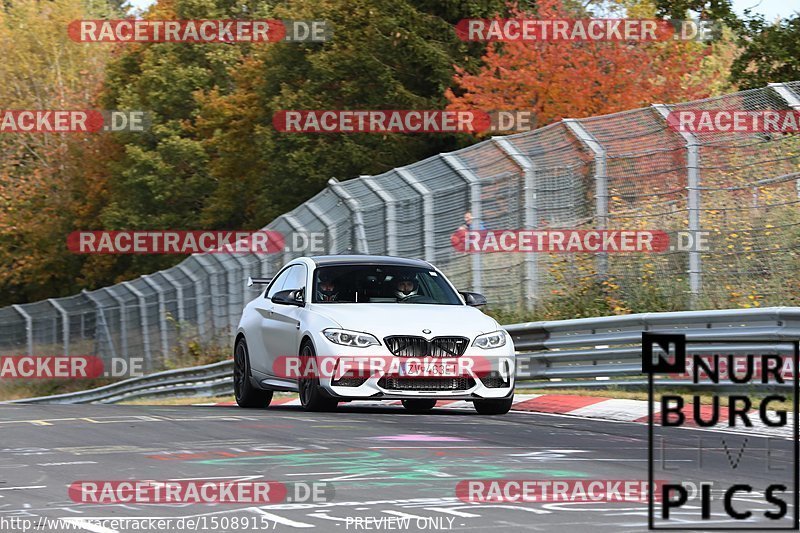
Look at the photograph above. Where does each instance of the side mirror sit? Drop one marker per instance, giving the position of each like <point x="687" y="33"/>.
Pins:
<point x="294" y="297"/>
<point x="473" y="299"/>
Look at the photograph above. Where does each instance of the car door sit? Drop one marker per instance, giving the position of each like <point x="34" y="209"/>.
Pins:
<point x="259" y="349"/>
<point x="282" y="326"/>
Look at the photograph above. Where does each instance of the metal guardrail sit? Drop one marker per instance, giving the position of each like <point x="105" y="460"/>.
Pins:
<point x="207" y="380"/>
<point x="602" y="351"/>
<point x="606" y="351"/>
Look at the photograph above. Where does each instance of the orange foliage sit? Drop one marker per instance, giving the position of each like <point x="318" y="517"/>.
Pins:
<point x="576" y="79"/>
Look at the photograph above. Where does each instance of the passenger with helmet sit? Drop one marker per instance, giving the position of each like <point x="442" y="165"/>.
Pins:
<point x="406" y="286"/>
<point x="326" y="288"/>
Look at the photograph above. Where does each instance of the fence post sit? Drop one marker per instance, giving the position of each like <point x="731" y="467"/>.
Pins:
<point x="64" y="323"/>
<point x="793" y="101"/>
<point x="530" y="201"/>
<point x="693" y="201"/>
<point x="787" y="94"/>
<point x="123" y="325"/>
<point x="600" y="183"/>
<point x="427" y="211"/>
<point x="148" y="354"/>
<point x="202" y="261"/>
<point x="391" y="213"/>
<point x="198" y="299"/>
<point x="476" y="207"/>
<point x="162" y="315"/>
<point x="246" y="273"/>
<point x="178" y="294"/>
<point x="100" y="317"/>
<point x="328" y="223"/>
<point x="297" y="227"/>
<point x="234" y="287"/>
<point x="361" y="236"/>
<point x="28" y="326"/>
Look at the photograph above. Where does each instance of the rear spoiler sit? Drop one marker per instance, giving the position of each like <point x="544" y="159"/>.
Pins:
<point x="257" y="281"/>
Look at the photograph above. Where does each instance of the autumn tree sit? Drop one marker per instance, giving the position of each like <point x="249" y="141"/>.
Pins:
<point x="771" y="52"/>
<point x="715" y="10"/>
<point x="575" y="79"/>
<point x="41" y="69"/>
<point x="385" y="54"/>
<point x="213" y="159"/>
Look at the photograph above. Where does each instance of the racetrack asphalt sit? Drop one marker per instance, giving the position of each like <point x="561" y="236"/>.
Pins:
<point x="384" y="465"/>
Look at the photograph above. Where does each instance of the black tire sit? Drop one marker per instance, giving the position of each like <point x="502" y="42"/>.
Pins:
<point x="246" y="395"/>
<point x="418" y="406"/>
<point x="312" y="397"/>
<point x="493" y="407"/>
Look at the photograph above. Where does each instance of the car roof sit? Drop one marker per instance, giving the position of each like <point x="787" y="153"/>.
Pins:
<point x="331" y="260"/>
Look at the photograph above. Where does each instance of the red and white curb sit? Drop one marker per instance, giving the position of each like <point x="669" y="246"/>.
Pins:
<point x="579" y="406"/>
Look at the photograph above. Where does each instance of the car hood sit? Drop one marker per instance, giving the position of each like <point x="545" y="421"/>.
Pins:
<point x="409" y="319"/>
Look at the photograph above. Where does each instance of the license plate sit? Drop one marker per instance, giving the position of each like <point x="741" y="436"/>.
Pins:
<point x="426" y="369"/>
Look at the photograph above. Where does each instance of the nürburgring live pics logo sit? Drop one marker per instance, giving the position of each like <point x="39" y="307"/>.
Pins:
<point x="716" y="480"/>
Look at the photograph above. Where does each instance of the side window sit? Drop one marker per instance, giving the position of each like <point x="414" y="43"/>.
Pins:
<point x="277" y="284"/>
<point x="296" y="279"/>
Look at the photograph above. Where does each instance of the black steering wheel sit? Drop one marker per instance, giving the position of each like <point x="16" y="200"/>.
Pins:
<point x="415" y="298"/>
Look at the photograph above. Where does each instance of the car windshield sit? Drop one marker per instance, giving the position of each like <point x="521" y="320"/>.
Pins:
<point x="382" y="284"/>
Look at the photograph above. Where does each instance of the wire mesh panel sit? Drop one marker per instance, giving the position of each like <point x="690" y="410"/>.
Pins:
<point x="646" y="170"/>
<point x="218" y="286"/>
<point x="47" y="328"/>
<point x="450" y="199"/>
<point x="499" y="200"/>
<point x="80" y="327"/>
<point x="13" y="332"/>
<point x="152" y="320"/>
<point x="184" y="310"/>
<point x="313" y="225"/>
<point x="272" y="263"/>
<point x="235" y="278"/>
<point x="561" y="194"/>
<point x="109" y="335"/>
<point x="749" y="207"/>
<point x="200" y="297"/>
<point x="332" y="208"/>
<point x="134" y="338"/>
<point x="373" y="214"/>
<point x="408" y="213"/>
<point x="167" y="314"/>
<point x="794" y="87"/>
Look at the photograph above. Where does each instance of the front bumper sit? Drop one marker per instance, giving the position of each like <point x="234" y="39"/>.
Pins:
<point x="494" y="380"/>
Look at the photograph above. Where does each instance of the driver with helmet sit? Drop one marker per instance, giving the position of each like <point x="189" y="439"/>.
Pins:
<point x="406" y="286"/>
<point x="326" y="288"/>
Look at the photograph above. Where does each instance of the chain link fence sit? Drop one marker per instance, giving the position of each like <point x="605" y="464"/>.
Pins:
<point x="628" y="170"/>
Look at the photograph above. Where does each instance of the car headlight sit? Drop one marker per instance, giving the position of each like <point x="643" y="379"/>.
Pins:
<point x="495" y="339"/>
<point x="350" y="338"/>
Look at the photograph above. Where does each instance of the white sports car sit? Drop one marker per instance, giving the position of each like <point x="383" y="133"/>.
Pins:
<point x="356" y="327"/>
